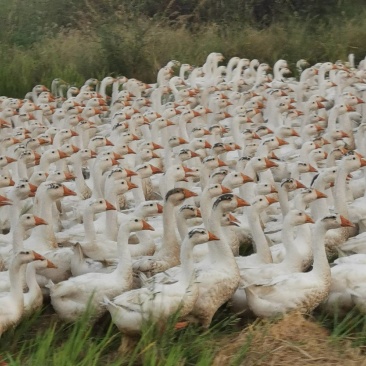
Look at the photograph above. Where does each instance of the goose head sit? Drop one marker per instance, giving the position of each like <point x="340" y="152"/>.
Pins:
<point x="263" y="188"/>
<point x="26" y="256"/>
<point x="260" y="164"/>
<point x="23" y="190"/>
<point x="352" y="162"/>
<point x="175" y="141"/>
<point x="176" y="196"/>
<point x="229" y="202"/>
<point x="334" y="222"/>
<point x="120" y="173"/>
<point x="147" y="170"/>
<point x="53" y="155"/>
<point x="149" y="208"/>
<point x="309" y="195"/>
<point x="200" y="143"/>
<point x="235" y="179"/>
<point x="261" y="202"/>
<point x="161" y="123"/>
<point x="189" y="212"/>
<point x="6" y="181"/>
<point x="212" y="162"/>
<point x="5" y="160"/>
<point x="137" y="224"/>
<point x="54" y="191"/>
<point x="59" y="176"/>
<point x="218" y="176"/>
<point x="186" y="154"/>
<point x="297" y="217"/>
<point x="29" y="221"/>
<point x="291" y="184"/>
<point x="303" y="167"/>
<point x="83" y="155"/>
<point x="121" y="186"/>
<point x="200" y="236"/>
<point x="38" y="177"/>
<point x="99" y="141"/>
<point x="103" y="163"/>
<point x="100" y="205"/>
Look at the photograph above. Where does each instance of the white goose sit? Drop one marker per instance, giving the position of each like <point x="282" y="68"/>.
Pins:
<point x="12" y="303"/>
<point x="71" y="298"/>
<point x="160" y="300"/>
<point x="298" y="291"/>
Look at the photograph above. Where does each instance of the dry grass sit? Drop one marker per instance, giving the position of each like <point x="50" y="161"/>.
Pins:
<point x="293" y="340"/>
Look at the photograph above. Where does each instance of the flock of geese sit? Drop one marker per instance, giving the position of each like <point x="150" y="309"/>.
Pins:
<point x="119" y="195"/>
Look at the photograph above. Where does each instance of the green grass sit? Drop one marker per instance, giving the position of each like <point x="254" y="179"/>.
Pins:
<point x="44" y="340"/>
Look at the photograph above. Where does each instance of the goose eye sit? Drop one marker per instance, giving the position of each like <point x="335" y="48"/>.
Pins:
<point x="136" y="220"/>
<point x="259" y="159"/>
<point x="22" y="186"/>
<point x="261" y="199"/>
<point x="235" y="175"/>
<point x="28" y="217"/>
<point x="151" y="205"/>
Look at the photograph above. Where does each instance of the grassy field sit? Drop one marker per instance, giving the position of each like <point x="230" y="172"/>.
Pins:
<point x="135" y="44"/>
<point x="292" y="340"/>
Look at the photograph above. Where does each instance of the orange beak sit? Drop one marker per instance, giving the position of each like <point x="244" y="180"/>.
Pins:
<point x="241" y="202"/>
<point x="281" y="141"/>
<point x="114" y="162"/>
<point x="198" y="213"/>
<point x="155" y="170"/>
<point x="345" y="222"/>
<point x="271" y="199"/>
<point x="299" y="185"/>
<point x="246" y="179"/>
<point x="131" y="185"/>
<point x="221" y="163"/>
<point x="269" y="163"/>
<point x="51" y="264"/>
<point x="62" y="154"/>
<point x="69" y="176"/>
<point x="320" y="194"/>
<point x="160" y="208"/>
<point x="130" y="173"/>
<point x="73" y="133"/>
<point x="156" y="146"/>
<point x="75" y="149"/>
<point x="109" y="206"/>
<point x="225" y="189"/>
<point x="212" y="237"/>
<point x="312" y="169"/>
<point x="308" y="219"/>
<point x="40" y="221"/>
<point x="146" y="226"/>
<point x="108" y="143"/>
<point x="10" y="160"/>
<point x="207" y="145"/>
<point x="188" y="193"/>
<point x="37" y="256"/>
<point x="68" y="192"/>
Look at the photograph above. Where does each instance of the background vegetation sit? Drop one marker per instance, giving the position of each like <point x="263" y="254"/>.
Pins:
<point x="75" y="40"/>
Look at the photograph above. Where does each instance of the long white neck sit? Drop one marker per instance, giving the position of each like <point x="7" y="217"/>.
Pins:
<point x="18" y="237"/>
<point x="220" y="253"/>
<point x="124" y="267"/>
<point x="340" y="187"/>
<point x="16" y="283"/>
<point x="31" y="279"/>
<point x="320" y="266"/>
<point x="319" y="208"/>
<point x="171" y="245"/>
<point x="259" y="239"/>
<point x="88" y="218"/>
<point x="187" y="262"/>
<point x="206" y="206"/>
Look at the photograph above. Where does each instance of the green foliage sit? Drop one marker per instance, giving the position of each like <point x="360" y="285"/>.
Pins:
<point x="41" y="40"/>
<point x="43" y="340"/>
